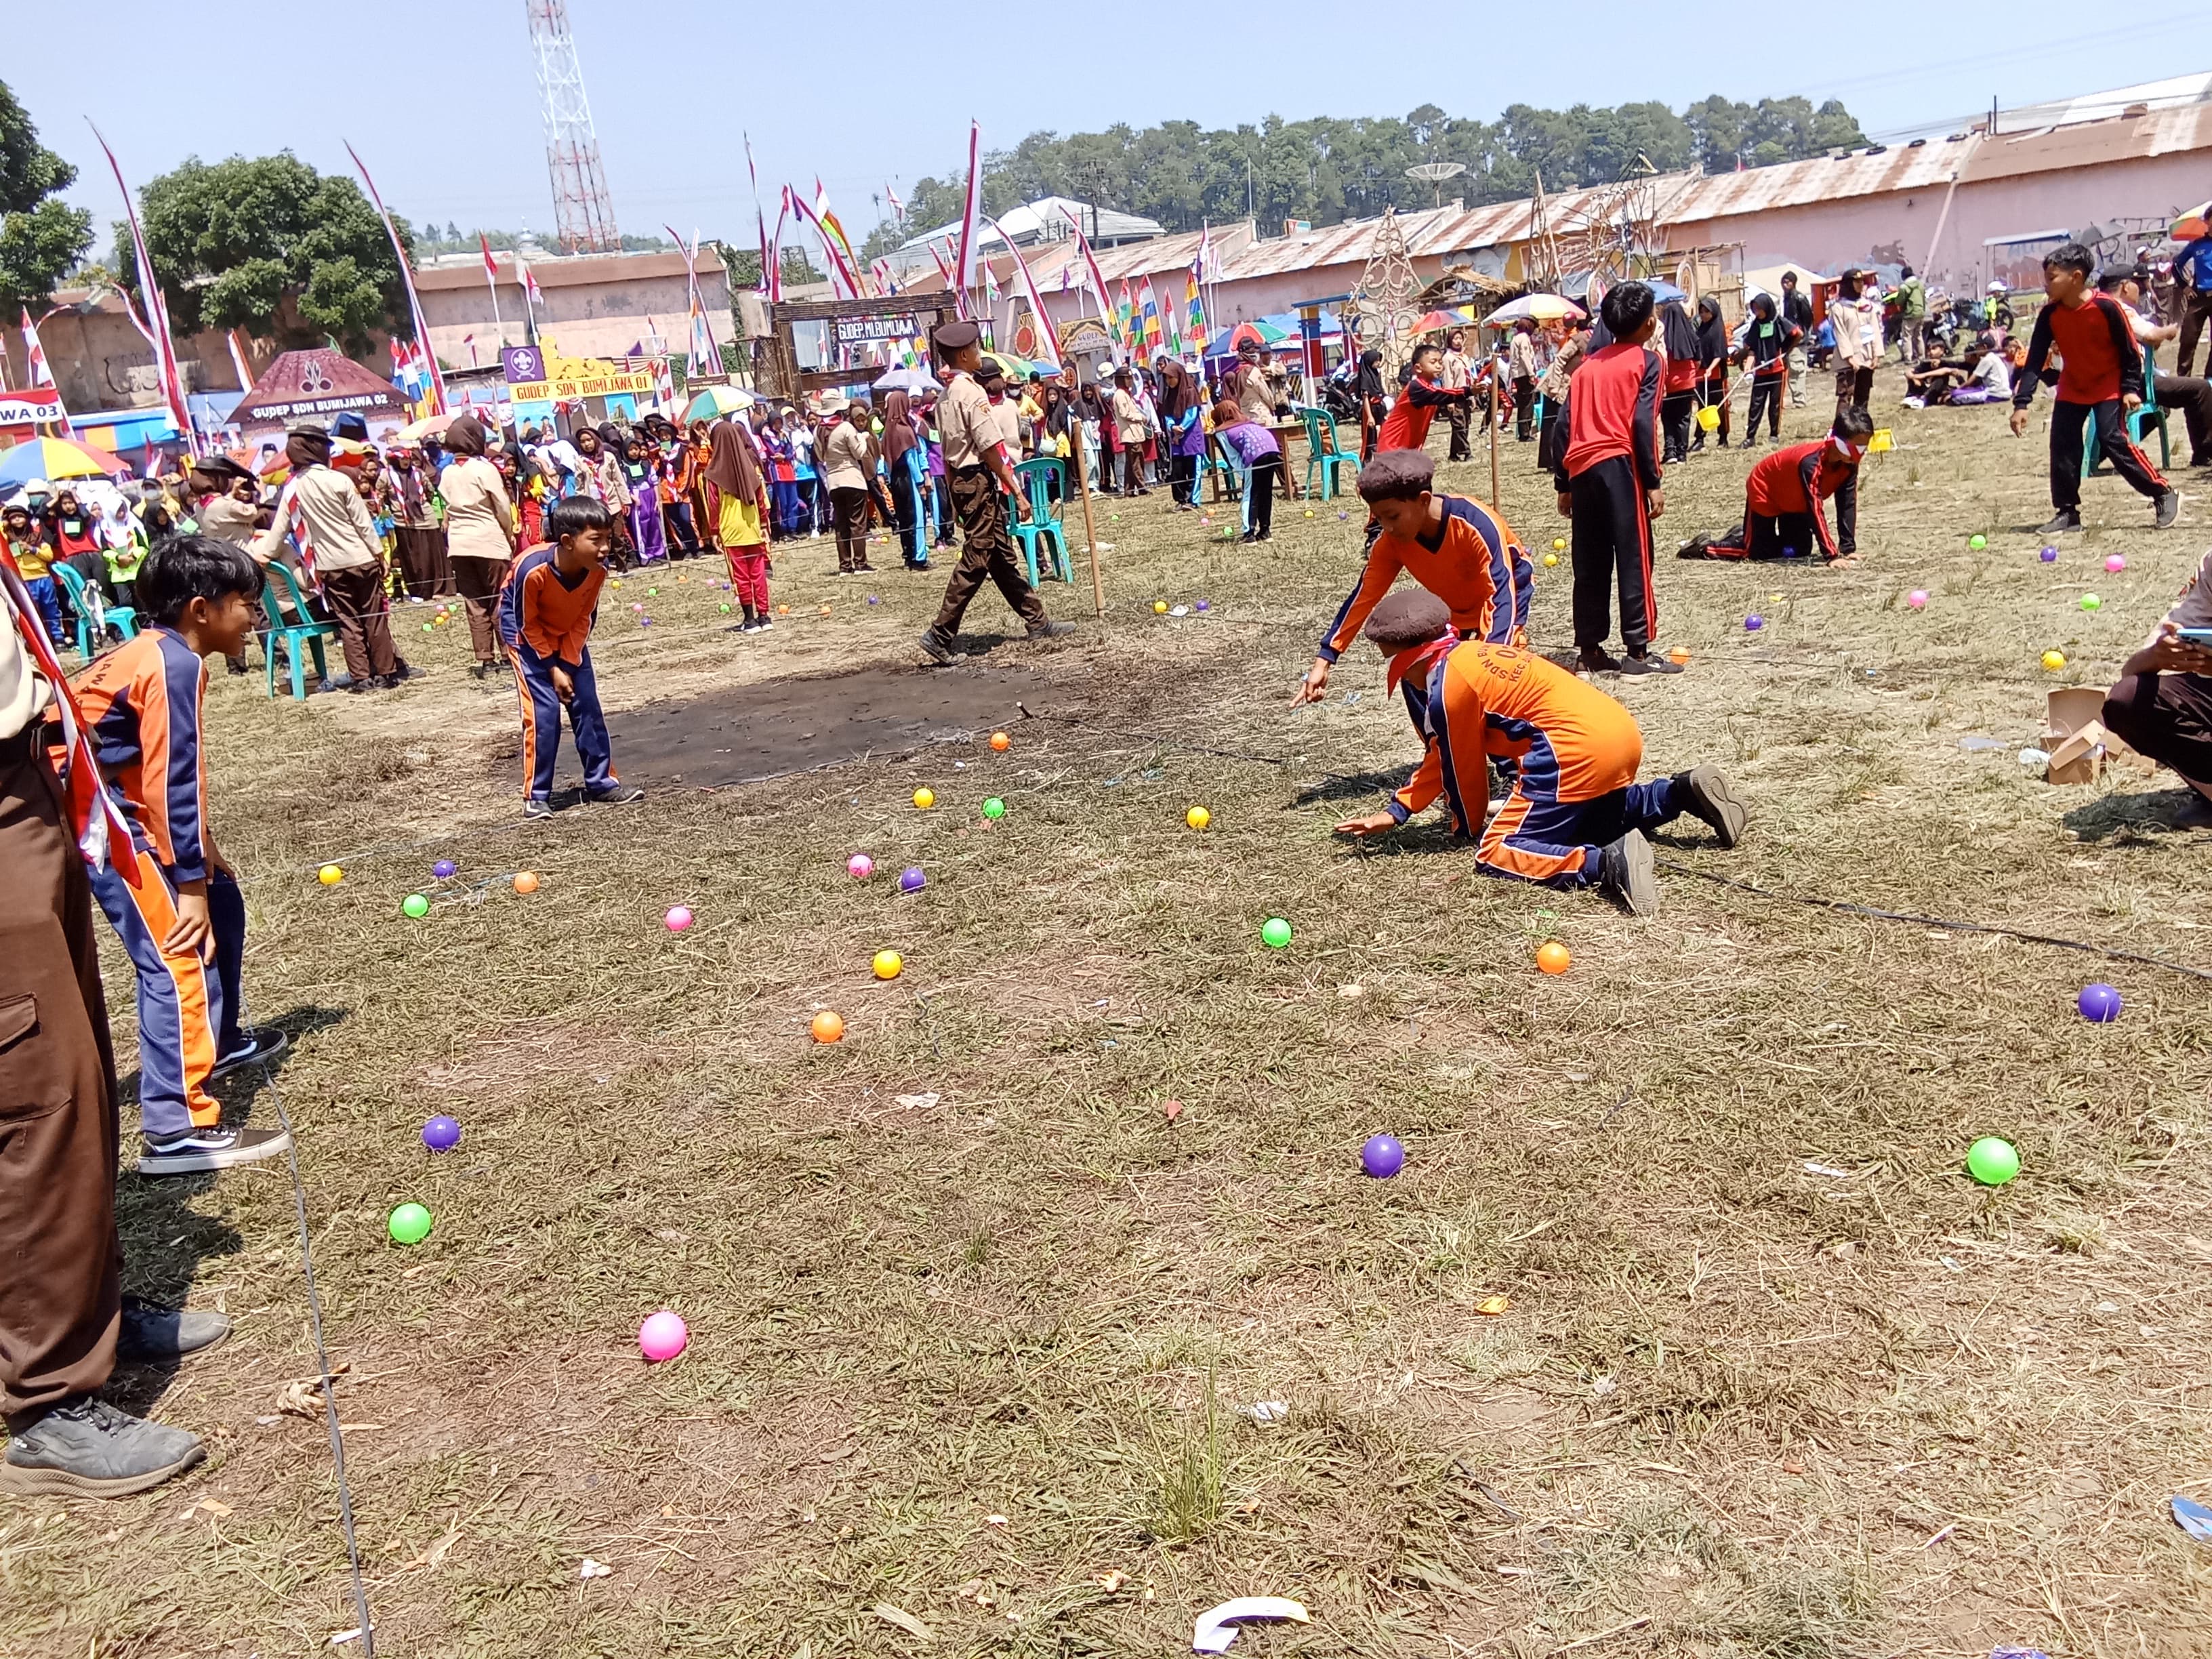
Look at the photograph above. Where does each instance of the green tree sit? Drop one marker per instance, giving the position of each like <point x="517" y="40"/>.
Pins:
<point x="272" y="246"/>
<point x="41" y="236"/>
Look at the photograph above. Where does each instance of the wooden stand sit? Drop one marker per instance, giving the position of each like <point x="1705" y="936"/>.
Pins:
<point x="1494" y="505"/>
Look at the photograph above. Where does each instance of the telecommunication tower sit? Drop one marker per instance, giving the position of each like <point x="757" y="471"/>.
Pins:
<point x="584" y="215"/>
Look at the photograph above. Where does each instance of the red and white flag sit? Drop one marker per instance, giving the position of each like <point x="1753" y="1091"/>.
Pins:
<point x="238" y="360"/>
<point x="963" y="264"/>
<point x="41" y="375"/>
<point x="1048" y="347"/>
<point x="530" y="291"/>
<point x="437" y="383"/>
<point x="157" y="309"/>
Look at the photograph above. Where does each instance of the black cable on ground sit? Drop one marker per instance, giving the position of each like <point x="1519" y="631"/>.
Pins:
<point x="1850" y="909"/>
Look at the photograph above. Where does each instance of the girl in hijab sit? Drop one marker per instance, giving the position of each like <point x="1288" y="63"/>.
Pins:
<point x="1712" y="384"/>
<point x="699" y="452"/>
<point x="641" y="471"/>
<point x="737" y="494"/>
<point x="1678" y="338"/>
<point x="904" y="466"/>
<point x="480" y="536"/>
<point x="1186" y="432"/>
<point x="1374" y="401"/>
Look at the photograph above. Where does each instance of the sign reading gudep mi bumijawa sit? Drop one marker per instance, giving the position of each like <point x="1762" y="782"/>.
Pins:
<point x="864" y="337"/>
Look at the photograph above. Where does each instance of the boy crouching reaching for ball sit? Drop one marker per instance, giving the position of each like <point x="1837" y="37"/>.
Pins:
<point x="546" y="617"/>
<point x="1576" y="816"/>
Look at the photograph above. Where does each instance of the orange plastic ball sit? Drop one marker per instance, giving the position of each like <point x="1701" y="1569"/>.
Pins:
<point x="1679" y="653"/>
<point x="828" y="1027"/>
<point x="1001" y="742"/>
<point x="525" y="881"/>
<point x="1553" y="957"/>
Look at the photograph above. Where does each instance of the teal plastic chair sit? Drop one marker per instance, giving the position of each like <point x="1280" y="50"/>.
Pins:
<point x="2147" y="416"/>
<point x="1037" y="478"/>
<point x="279" y="593"/>
<point x="1324" y="452"/>
<point x="94" y="616"/>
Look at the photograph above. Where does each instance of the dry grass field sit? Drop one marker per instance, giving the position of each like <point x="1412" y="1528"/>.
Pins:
<point x="979" y="1326"/>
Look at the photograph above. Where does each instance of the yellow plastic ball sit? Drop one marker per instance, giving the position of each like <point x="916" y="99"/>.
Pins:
<point x="1159" y="607"/>
<point x="330" y="875"/>
<point x="1558" y="544"/>
<point x="1550" y="559"/>
<point x="925" y="799"/>
<point x="888" y="963"/>
<point x="2054" y="660"/>
<point x="1198" y="818"/>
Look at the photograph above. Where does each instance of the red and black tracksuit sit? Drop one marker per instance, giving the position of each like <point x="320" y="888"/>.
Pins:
<point x="1472" y="561"/>
<point x="2099" y="364"/>
<point x="1783" y="517"/>
<point x="1407" y="425"/>
<point x="1610" y="413"/>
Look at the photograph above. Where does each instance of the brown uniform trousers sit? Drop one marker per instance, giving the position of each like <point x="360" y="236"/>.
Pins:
<point x="354" y="596"/>
<point x="986" y="548"/>
<point x="61" y="1264"/>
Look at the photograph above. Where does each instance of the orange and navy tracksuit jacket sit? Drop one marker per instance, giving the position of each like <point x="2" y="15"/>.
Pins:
<point x="545" y="618"/>
<point x="2100" y="364"/>
<point x="1407" y="425"/>
<point x="1477" y="567"/>
<point x="1575" y="750"/>
<point x="141" y="705"/>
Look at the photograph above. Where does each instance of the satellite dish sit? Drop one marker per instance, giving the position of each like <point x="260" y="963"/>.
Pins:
<point x="1435" y="172"/>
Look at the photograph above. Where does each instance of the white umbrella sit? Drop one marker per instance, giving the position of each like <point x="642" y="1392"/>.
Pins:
<point x="903" y="380"/>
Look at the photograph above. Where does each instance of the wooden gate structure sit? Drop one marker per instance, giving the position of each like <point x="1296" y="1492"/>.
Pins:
<point x="899" y="317"/>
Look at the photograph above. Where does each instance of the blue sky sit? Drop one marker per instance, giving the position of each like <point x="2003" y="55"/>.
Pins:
<point x="673" y="85"/>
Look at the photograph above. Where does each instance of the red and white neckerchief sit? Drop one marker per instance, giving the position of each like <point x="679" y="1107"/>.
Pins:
<point x="295" y="520"/>
<point x="1420" y="660"/>
<point x="102" y="832"/>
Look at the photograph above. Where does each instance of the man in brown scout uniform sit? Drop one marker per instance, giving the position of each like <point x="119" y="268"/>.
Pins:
<point x="983" y="483"/>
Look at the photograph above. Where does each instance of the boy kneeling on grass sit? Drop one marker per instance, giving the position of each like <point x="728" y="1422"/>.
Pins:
<point x="1783" y="517"/>
<point x="545" y="617"/>
<point x="1576" y="816"/>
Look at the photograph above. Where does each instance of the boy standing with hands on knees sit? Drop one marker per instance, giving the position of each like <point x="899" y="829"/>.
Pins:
<point x="545" y="617"/>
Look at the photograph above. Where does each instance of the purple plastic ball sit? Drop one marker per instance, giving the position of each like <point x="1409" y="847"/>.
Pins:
<point x="443" y="868"/>
<point x="2050" y="555"/>
<point x="872" y="599"/>
<point x="2100" y="1003"/>
<point x="911" y="880"/>
<point x="1203" y="605"/>
<point x="1382" y="1156"/>
<point x="1753" y="623"/>
<point x="441" y="1134"/>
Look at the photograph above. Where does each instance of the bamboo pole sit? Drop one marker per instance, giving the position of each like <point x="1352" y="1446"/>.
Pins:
<point x="1081" y="468"/>
<point x="1494" y="502"/>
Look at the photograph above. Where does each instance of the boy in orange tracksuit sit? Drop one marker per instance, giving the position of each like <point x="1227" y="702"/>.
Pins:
<point x="1576" y="816"/>
<point x="1453" y="545"/>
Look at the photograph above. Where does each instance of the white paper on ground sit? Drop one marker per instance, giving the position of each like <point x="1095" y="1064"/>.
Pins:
<point x="1213" y="1632"/>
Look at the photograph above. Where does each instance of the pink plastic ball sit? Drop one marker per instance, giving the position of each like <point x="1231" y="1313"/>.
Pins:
<point x="678" y="918"/>
<point x="2116" y="564"/>
<point x="663" y="1336"/>
<point x="861" y="866"/>
<point x="1918" y="598"/>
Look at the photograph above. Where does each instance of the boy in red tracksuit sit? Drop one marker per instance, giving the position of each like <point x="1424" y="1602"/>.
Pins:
<point x="1783" y="517"/>
<point x="1455" y="547"/>
<point x="1576" y="817"/>
<point x="1407" y="425"/>
<point x="2101" y="379"/>
<point x="1608" y="480"/>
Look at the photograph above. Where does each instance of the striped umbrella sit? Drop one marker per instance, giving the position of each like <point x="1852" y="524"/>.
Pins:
<point x="55" y="458"/>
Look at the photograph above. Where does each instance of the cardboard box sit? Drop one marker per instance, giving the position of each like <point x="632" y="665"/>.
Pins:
<point x="2075" y="737"/>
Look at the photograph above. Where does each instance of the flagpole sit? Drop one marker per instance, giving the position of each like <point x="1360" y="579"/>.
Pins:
<point x="1090" y="529"/>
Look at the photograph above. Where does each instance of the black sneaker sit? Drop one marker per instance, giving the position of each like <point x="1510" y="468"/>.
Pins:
<point x="217" y="1148"/>
<point x="762" y="624"/>
<point x="1050" y="630"/>
<point x="160" y="1335"/>
<point x="534" y="808"/>
<point x="1596" y="659"/>
<point x="261" y="1043"/>
<point x="2066" y="519"/>
<point x="85" y="1448"/>
<point x="620" y="795"/>
<point x="1626" y="873"/>
<point x="2169" y="509"/>
<point x="936" y="647"/>
<point x="1708" y="795"/>
<point x="1642" y="662"/>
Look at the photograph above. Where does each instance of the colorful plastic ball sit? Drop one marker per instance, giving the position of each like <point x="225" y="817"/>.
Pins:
<point x="1977" y="542"/>
<point x="1001" y="742"/>
<point x="860" y="867"/>
<point x="2091" y="602"/>
<point x="2049" y="555"/>
<point x="1753" y="623"/>
<point x="678" y="918"/>
<point x="888" y="965"/>
<point x="441" y="1134"/>
<point x="724" y="609"/>
<point x="1202" y="604"/>
<point x="1992" y="1161"/>
<point x="1341" y="517"/>
<point x="1310" y="513"/>
<point x="1553" y="957"/>
<point x="827" y="1027"/>
<point x="1382" y="1156"/>
<point x="2100" y="1002"/>
<point x="994" y="808"/>
<point x="1198" y="818"/>
<point x="1159" y="607"/>
<point x="645" y="621"/>
<point x="415" y="905"/>
<point x="925" y="799"/>
<point x="1918" y="598"/>
<point x="1558" y="544"/>
<point x="1550" y="560"/>
<point x="525" y="881"/>
<point x="2054" y="660"/>
<point x="444" y="868"/>
<point x="825" y="609"/>
<point x="663" y="1336"/>
<point x="653" y="592"/>
<point x="1679" y="653"/>
<point x="2116" y="564"/>
<point x="1274" y="932"/>
<point x="911" y="879"/>
<point x="637" y="607"/>
<point x="426" y="628"/>
<point x="330" y="875"/>
<point x="408" y="1225"/>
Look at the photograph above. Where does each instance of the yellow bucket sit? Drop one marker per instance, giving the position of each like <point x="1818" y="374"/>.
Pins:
<point x="1708" y="419"/>
<point x="1881" y="443"/>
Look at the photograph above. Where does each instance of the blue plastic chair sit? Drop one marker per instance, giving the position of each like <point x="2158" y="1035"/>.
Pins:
<point x="1323" y="452"/>
<point x="280" y="589"/>
<point x="1037" y="478"/>
<point x="2147" y="414"/>
<point x="94" y="616"/>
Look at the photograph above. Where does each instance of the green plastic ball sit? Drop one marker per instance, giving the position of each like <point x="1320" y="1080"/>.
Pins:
<point x="408" y="1225"/>
<point x="652" y="593"/>
<point x="994" y="808"/>
<point x="1992" y="1161"/>
<point x="426" y="628"/>
<point x="1275" y="933"/>
<point x="1977" y="542"/>
<point x="416" y="906"/>
<point x="2091" y="602"/>
<point x="724" y="609"/>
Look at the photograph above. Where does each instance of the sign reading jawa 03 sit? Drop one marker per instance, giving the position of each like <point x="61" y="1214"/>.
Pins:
<point x="535" y="375"/>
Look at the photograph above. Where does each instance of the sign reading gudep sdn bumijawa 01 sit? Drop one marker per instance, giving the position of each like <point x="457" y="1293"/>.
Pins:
<point x="536" y="375"/>
<point x="40" y="407"/>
